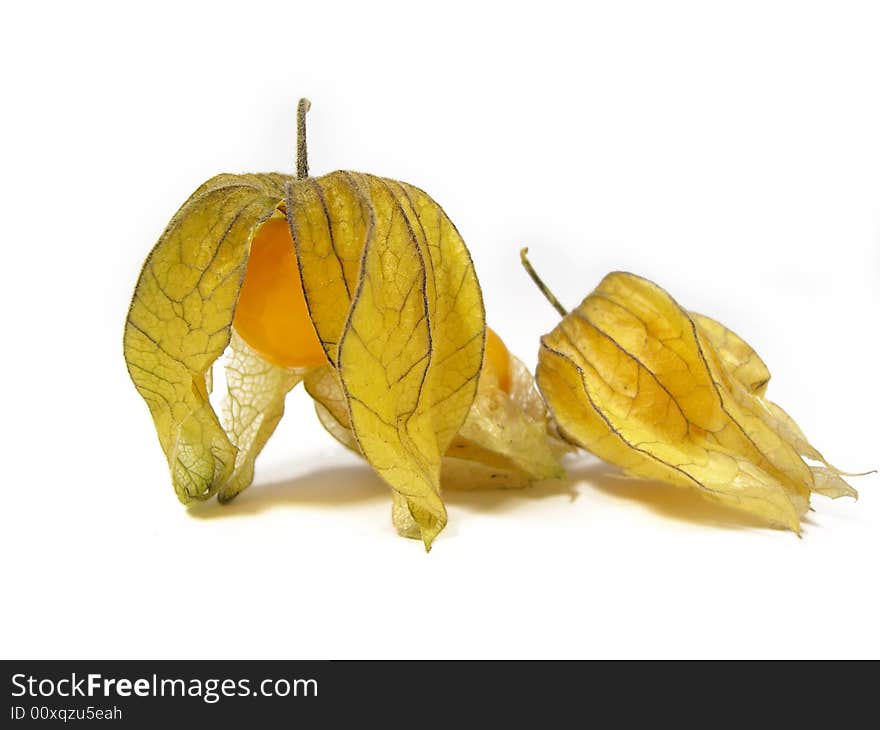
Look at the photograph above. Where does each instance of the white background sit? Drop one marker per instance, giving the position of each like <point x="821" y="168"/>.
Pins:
<point x="729" y="151"/>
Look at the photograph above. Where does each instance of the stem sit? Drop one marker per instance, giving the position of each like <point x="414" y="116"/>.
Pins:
<point x="540" y="284"/>
<point x="302" y="155"/>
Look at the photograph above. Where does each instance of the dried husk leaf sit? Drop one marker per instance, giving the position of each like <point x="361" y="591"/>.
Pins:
<point x="325" y="388"/>
<point x="507" y="430"/>
<point x="179" y="321"/>
<point x="253" y="406"/>
<point x="395" y="301"/>
<point x="741" y="361"/>
<point x="745" y="365"/>
<point x="634" y="378"/>
<point x="502" y="437"/>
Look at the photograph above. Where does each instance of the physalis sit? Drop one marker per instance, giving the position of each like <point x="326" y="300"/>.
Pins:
<point x="359" y="285"/>
<point x="675" y="396"/>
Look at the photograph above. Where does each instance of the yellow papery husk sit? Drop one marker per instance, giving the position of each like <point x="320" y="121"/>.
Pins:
<point x="507" y="440"/>
<point x="179" y="323"/>
<point x="394" y="298"/>
<point x="252" y="408"/>
<point x="675" y="396"/>
<point x="509" y="430"/>
<point x="392" y="294"/>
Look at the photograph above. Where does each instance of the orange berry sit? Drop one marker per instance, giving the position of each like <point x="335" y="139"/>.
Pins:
<point x="271" y="314"/>
<point x="498" y="358"/>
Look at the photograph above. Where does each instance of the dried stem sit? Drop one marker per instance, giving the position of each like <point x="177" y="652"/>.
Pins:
<point x="302" y="155"/>
<point x="540" y="284"/>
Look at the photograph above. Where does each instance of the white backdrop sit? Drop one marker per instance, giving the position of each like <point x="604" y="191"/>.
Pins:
<point x="729" y="151"/>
